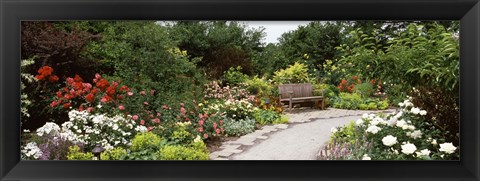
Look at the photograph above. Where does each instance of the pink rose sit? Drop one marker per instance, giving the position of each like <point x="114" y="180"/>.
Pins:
<point x="142" y="93"/>
<point x="142" y="122"/>
<point x="205" y="135"/>
<point x="130" y="93"/>
<point x="121" y="107"/>
<point x="135" y="117"/>
<point x="200" y="129"/>
<point x="90" y="109"/>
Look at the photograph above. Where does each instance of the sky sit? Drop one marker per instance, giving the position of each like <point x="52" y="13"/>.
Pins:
<point x="274" y="29"/>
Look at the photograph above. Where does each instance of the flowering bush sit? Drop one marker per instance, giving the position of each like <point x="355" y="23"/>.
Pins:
<point x="405" y="135"/>
<point x="214" y="91"/>
<point x="355" y="101"/>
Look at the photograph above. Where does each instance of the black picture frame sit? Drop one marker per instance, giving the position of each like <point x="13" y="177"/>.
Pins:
<point x="14" y="11"/>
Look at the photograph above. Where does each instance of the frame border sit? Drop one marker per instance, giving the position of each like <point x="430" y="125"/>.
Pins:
<point x="12" y="12"/>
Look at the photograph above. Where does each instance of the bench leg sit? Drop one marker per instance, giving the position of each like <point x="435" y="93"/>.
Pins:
<point x="323" y="104"/>
<point x="290" y="105"/>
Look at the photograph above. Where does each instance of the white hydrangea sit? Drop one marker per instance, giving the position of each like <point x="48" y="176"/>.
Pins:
<point x="365" y="116"/>
<point x="401" y="123"/>
<point x="424" y="152"/>
<point x="373" y="129"/>
<point x="415" y="110"/>
<point x="416" y="134"/>
<point x="392" y="121"/>
<point x="447" y="148"/>
<point x="423" y="112"/>
<point x="408" y="148"/>
<point x="359" y="122"/>
<point x="389" y="140"/>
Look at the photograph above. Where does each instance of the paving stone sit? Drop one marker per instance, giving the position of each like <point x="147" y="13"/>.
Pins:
<point x="248" y="143"/>
<point x="230" y="146"/>
<point x="262" y="137"/>
<point x="224" y="153"/>
<point x="220" y="158"/>
<point x="233" y="150"/>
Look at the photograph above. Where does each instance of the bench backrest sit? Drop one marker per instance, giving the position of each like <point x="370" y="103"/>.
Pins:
<point x="299" y="90"/>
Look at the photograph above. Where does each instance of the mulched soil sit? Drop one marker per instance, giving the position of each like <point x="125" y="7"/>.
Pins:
<point x="214" y="144"/>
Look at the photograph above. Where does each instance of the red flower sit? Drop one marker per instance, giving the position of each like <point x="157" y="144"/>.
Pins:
<point x="77" y="78"/>
<point x="106" y="99"/>
<point x="81" y="108"/>
<point x="53" y="78"/>
<point x="67" y="105"/>
<point x="355" y="77"/>
<point x="372" y="81"/>
<point x="102" y="84"/>
<point x="119" y="97"/>
<point x="344" y="81"/>
<point x="59" y="94"/>
<point x="124" y="88"/>
<point x="69" y="96"/>
<point x="94" y="91"/>
<point x="53" y="104"/>
<point x="110" y="91"/>
<point x="90" y="97"/>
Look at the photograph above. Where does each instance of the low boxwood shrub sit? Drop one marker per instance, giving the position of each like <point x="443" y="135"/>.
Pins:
<point x="197" y="151"/>
<point x="75" y="153"/>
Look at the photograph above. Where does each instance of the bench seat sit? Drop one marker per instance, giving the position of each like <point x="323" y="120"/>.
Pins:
<point x="297" y="93"/>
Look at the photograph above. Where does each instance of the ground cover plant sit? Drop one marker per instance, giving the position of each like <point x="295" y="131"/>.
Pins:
<point x="151" y="90"/>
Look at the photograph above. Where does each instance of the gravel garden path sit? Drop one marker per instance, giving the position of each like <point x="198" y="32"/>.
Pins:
<point x="300" y="139"/>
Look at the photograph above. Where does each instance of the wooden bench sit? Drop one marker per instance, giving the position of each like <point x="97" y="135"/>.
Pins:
<point x="297" y="93"/>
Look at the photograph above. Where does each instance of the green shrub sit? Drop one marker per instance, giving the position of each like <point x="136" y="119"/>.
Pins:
<point x="364" y="89"/>
<point x="181" y="137"/>
<point x="355" y="101"/>
<point x="281" y="120"/>
<point x="239" y="127"/>
<point x="259" y="86"/>
<point x="234" y="76"/>
<point x="197" y="151"/>
<point x="265" y="116"/>
<point x="346" y="134"/>
<point x="74" y="153"/>
<point x="145" y="145"/>
<point x="296" y="73"/>
<point x="114" y="154"/>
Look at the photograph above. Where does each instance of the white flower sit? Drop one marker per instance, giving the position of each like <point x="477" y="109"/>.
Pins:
<point x="373" y="129"/>
<point x="392" y="121"/>
<point x="434" y="142"/>
<point x="389" y="140"/>
<point x="405" y="127"/>
<point x="408" y="148"/>
<point x="401" y="123"/>
<point x="334" y="130"/>
<point x="423" y="112"/>
<point x="366" y="157"/>
<point x="197" y="139"/>
<point x="48" y="128"/>
<point x="447" y="148"/>
<point x="359" y="122"/>
<point x="415" y="110"/>
<point x="401" y="104"/>
<point x="416" y="134"/>
<point x="365" y="116"/>
<point x="411" y="127"/>
<point x="32" y="150"/>
<point x="99" y="106"/>
<point x="115" y="127"/>
<point x="424" y="152"/>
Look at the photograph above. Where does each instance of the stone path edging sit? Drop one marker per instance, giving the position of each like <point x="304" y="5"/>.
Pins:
<point x="231" y="148"/>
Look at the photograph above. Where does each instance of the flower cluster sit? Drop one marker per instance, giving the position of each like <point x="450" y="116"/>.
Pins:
<point x="405" y="134"/>
<point x="31" y="151"/>
<point x="214" y="91"/>
<point x="45" y="73"/>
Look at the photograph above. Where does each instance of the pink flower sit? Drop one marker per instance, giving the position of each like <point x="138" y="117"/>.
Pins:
<point x="142" y="122"/>
<point x="130" y="93"/>
<point x="200" y="129"/>
<point x="97" y="76"/>
<point x="135" y="117"/>
<point x="142" y="93"/>
<point x="205" y="135"/>
<point x="201" y="122"/>
<point x="183" y="111"/>
<point x="221" y="122"/>
<point x="181" y="104"/>
<point x="165" y="106"/>
<point x="214" y="125"/>
<point x="53" y="104"/>
<point x="158" y="114"/>
<point x="152" y="92"/>
<point x="150" y="128"/>
<point x="121" y="107"/>
<point x="156" y="120"/>
<point x="90" y="109"/>
<point x="217" y="131"/>
<point x="146" y="103"/>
